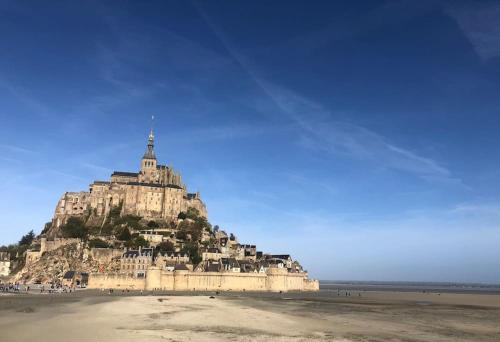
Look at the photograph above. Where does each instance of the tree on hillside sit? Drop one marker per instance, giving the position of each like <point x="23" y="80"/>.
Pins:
<point x="192" y="213"/>
<point x="191" y="248"/>
<point x="165" y="246"/>
<point x="124" y="235"/>
<point x="181" y="235"/>
<point x="202" y="223"/>
<point x="106" y="229"/>
<point x="153" y="224"/>
<point x="98" y="243"/>
<point x="131" y="221"/>
<point x="46" y="228"/>
<point x="137" y="242"/>
<point x="27" y="239"/>
<point x="74" y="228"/>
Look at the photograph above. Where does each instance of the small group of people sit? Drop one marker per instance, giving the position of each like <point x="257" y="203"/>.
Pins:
<point x="41" y="288"/>
<point x="111" y="291"/>
<point x="57" y="288"/>
<point x="347" y="293"/>
<point x="10" y="287"/>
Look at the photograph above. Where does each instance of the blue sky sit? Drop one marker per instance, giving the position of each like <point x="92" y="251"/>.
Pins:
<point x="362" y="139"/>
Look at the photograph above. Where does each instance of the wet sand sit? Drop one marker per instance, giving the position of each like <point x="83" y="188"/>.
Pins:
<point x="323" y="316"/>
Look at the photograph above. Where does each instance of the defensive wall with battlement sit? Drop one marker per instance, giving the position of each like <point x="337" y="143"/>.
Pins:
<point x="274" y="280"/>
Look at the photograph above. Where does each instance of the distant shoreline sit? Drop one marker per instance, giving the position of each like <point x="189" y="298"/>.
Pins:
<point x="394" y="286"/>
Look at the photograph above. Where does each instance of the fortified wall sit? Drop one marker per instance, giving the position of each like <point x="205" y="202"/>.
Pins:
<point x="274" y="280"/>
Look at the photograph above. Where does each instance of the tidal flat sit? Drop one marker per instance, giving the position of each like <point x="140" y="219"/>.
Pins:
<point x="89" y="315"/>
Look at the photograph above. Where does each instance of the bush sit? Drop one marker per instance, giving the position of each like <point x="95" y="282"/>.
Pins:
<point x="74" y="228"/>
<point x="98" y="243"/>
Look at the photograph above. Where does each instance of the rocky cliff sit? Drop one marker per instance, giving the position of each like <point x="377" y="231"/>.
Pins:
<point x="52" y="266"/>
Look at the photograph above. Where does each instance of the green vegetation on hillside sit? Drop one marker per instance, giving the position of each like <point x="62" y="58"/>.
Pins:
<point x="165" y="246"/>
<point x="74" y="228"/>
<point x="98" y="243"/>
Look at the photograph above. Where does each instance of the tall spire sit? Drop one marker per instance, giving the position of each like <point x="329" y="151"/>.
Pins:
<point x="150" y="153"/>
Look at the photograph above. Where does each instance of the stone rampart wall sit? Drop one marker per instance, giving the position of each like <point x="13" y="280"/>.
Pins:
<point x="50" y="245"/>
<point x="274" y="280"/>
<point x="115" y="281"/>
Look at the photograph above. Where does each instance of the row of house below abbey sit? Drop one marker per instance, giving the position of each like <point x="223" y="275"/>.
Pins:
<point x="155" y="192"/>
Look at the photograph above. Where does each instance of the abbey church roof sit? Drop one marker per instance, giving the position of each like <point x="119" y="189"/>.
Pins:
<point x="125" y="174"/>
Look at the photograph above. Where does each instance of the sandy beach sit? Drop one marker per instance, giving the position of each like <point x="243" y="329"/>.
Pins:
<point x="323" y="316"/>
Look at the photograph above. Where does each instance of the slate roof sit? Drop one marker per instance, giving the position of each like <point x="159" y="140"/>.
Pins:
<point x="213" y="250"/>
<point x="281" y="256"/>
<point x="181" y="267"/>
<point x="135" y="253"/>
<point x="212" y="268"/>
<point x="153" y="185"/>
<point x="230" y="262"/>
<point x="124" y="174"/>
<point x="69" y="275"/>
<point x="175" y="254"/>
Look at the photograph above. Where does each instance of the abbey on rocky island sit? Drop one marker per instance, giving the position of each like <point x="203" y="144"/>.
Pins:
<point x="155" y="192"/>
<point x="144" y="231"/>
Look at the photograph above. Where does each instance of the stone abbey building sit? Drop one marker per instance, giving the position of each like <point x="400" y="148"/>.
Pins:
<point x="155" y="192"/>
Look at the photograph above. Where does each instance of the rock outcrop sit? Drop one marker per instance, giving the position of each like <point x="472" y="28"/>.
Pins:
<point x="52" y="265"/>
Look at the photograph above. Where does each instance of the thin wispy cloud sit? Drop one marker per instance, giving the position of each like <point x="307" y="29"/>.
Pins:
<point x="325" y="134"/>
<point x="16" y="149"/>
<point x="225" y="132"/>
<point x="348" y="139"/>
<point x="479" y="23"/>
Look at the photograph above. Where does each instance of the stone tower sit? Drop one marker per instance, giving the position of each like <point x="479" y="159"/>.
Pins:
<point x="148" y="163"/>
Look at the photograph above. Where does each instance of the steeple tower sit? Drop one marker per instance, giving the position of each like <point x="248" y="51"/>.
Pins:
<point x="148" y="163"/>
<point x="150" y="152"/>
